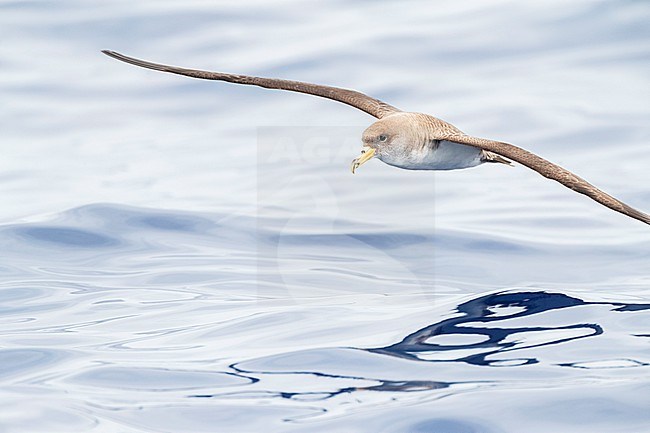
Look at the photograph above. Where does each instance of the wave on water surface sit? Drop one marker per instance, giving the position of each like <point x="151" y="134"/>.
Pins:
<point x="204" y="310"/>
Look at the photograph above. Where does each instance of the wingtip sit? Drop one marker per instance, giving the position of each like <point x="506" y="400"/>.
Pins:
<point x="111" y="53"/>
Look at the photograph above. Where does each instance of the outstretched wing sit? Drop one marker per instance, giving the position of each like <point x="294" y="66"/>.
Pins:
<point x="551" y="171"/>
<point x="372" y="106"/>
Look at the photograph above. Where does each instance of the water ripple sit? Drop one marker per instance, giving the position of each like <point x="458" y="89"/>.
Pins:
<point x="236" y="279"/>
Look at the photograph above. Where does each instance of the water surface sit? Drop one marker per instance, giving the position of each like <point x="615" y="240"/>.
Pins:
<point x="179" y="255"/>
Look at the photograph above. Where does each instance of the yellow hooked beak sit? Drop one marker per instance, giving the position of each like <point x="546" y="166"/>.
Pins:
<point x="367" y="153"/>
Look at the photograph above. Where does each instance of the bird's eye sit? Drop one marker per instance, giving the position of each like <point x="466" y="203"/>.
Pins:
<point x="382" y="138"/>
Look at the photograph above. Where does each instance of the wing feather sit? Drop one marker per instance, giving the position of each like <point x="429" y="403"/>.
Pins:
<point x="551" y="171"/>
<point x="363" y="102"/>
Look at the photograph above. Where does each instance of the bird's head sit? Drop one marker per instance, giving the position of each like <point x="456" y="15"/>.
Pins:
<point x="388" y="139"/>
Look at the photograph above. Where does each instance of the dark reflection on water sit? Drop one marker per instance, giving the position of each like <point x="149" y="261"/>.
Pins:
<point x="388" y="386"/>
<point x="497" y="323"/>
<point x="490" y="309"/>
<point x="407" y="386"/>
<point x="384" y="386"/>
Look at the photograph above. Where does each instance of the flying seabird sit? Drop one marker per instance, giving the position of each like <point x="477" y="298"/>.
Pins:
<point x="413" y="141"/>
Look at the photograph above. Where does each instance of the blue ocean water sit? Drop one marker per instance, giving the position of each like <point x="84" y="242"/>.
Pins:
<point x="179" y="255"/>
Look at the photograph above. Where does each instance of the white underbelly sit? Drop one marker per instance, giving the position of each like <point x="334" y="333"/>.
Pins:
<point x="446" y="156"/>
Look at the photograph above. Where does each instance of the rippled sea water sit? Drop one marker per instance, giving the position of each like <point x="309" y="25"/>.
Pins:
<point x="187" y="256"/>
